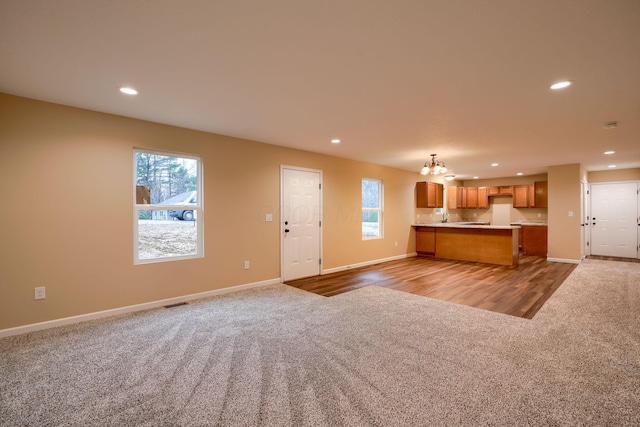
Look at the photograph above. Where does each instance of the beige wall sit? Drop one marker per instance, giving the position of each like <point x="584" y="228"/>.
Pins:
<point x="564" y="197"/>
<point x="66" y="219"/>
<point x="614" y="175"/>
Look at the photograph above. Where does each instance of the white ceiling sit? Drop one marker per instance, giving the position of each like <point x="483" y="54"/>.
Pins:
<point x="396" y="80"/>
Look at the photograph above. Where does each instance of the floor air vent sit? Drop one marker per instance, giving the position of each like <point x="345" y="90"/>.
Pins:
<point x="176" y="304"/>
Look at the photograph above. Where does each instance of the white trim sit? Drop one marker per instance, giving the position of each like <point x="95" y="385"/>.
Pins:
<point x="129" y="309"/>
<point x="364" y="264"/>
<point x="565" y="260"/>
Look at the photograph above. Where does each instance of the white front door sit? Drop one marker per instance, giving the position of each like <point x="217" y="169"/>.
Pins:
<point x="300" y="227"/>
<point x="614" y="215"/>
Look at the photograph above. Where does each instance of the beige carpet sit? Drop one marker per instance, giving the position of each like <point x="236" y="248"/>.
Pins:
<point x="279" y="356"/>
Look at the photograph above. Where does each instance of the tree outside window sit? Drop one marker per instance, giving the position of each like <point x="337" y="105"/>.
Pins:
<point x="371" y="209"/>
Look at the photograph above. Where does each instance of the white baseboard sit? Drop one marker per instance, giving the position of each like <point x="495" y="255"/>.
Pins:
<point x="363" y="264"/>
<point x="568" y="261"/>
<point x="129" y="309"/>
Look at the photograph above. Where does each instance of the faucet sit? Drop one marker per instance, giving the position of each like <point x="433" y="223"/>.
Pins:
<point x="444" y="217"/>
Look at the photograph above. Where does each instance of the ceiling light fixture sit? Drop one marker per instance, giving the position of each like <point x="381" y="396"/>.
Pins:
<point x="433" y="167"/>
<point x="128" y="91"/>
<point x="609" y="152"/>
<point x="494" y="164"/>
<point x="611" y="166"/>
<point x="335" y="141"/>
<point x="561" y="85"/>
<point x="476" y="177"/>
<point x="450" y="177"/>
<point x="519" y="174"/>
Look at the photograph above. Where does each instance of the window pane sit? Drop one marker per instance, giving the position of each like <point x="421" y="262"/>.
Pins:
<point x="371" y="208"/>
<point x="370" y="224"/>
<point x="370" y="193"/>
<point x="166" y="176"/>
<point x="160" y="235"/>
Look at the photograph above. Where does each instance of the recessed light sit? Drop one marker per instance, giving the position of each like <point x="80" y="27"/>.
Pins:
<point x="128" y="91"/>
<point x="519" y="174"/>
<point x="611" y="166"/>
<point x="609" y="152"/>
<point x="561" y="85"/>
<point x="494" y="164"/>
<point x="475" y="177"/>
<point x="335" y="141"/>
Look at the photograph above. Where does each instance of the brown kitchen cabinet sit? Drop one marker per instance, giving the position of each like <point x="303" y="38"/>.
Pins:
<point x="471" y="197"/>
<point x="521" y="196"/>
<point x="483" y="197"/>
<point x="502" y="190"/>
<point x="426" y="240"/>
<point x="506" y="190"/>
<point x="429" y="195"/>
<point x="456" y="198"/>
<point x="468" y="197"/>
<point x="541" y="196"/>
<point x="534" y="240"/>
<point x="531" y="195"/>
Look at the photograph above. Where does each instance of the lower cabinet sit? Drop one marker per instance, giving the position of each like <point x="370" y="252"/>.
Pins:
<point x="534" y="240"/>
<point x="426" y="240"/>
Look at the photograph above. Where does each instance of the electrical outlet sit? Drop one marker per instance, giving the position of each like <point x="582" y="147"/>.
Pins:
<point x="246" y="265"/>
<point x="40" y="293"/>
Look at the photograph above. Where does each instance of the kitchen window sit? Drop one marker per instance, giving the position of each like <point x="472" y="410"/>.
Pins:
<point x="168" y="209"/>
<point x="372" y="202"/>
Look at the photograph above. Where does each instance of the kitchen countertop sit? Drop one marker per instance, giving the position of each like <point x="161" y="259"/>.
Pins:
<point x="527" y="223"/>
<point x="467" y="225"/>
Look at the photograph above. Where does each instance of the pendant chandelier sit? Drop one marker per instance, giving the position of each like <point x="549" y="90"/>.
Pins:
<point x="433" y="167"/>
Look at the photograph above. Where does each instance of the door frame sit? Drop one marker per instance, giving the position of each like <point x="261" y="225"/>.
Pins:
<point x="281" y="213"/>
<point x="585" y="223"/>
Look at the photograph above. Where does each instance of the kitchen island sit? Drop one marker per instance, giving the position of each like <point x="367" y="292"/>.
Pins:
<point x="492" y="244"/>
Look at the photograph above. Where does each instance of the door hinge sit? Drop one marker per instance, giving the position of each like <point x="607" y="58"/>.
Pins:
<point x="320" y="261"/>
<point x="319" y="186"/>
<point x="587" y="243"/>
<point x="319" y="223"/>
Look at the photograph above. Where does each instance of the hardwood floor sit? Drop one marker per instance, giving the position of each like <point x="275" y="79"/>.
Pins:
<point x="518" y="291"/>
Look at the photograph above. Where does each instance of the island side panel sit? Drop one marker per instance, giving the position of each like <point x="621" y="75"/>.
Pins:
<point x="493" y="246"/>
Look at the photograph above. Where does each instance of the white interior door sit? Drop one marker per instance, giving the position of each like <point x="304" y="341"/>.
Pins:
<point x="300" y="216"/>
<point x="614" y="216"/>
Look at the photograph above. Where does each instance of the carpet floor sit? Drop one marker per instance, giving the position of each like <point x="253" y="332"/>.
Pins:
<point x="278" y="356"/>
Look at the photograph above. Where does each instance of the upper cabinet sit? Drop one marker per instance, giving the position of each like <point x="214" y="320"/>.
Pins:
<point x="521" y="196"/>
<point x="503" y="190"/>
<point x="530" y="196"/>
<point x="541" y="190"/>
<point x="429" y="195"/>
<point x="468" y="198"/>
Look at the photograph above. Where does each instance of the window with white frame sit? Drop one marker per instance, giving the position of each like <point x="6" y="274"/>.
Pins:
<point x="372" y="208"/>
<point x="168" y="208"/>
